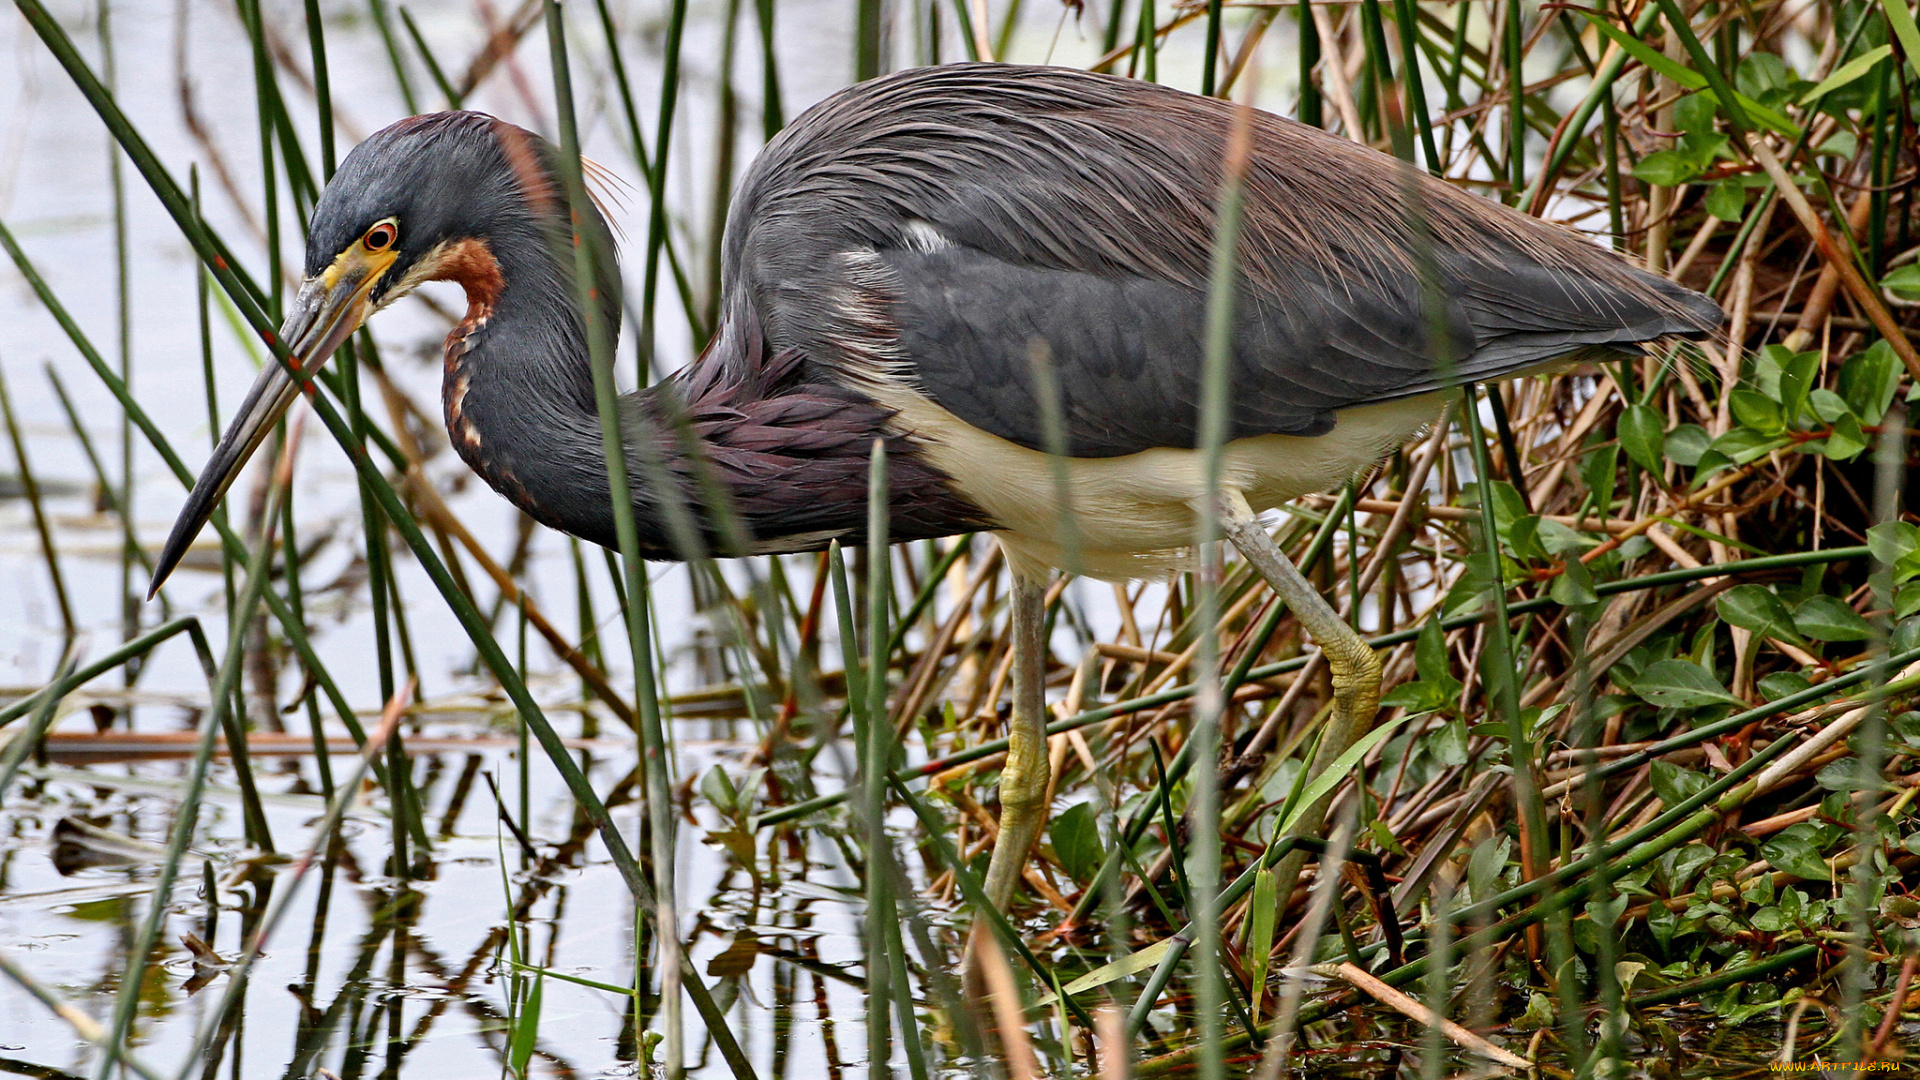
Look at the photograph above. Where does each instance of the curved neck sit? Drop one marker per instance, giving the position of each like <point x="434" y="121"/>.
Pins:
<point x="766" y="444"/>
<point x="517" y="388"/>
<point x="739" y="437"/>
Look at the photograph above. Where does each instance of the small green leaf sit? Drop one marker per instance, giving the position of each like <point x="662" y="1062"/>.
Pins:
<point x="1844" y="775"/>
<point x="1131" y="964"/>
<point x="1574" y="586"/>
<point x="1599" y="472"/>
<point x="1449" y="744"/>
<point x="1903" y="282"/>
<point x="1762" y="73"/>
<point x="1779" y="684"/>
<point x="1797" y="377"/>
<point x="1757" y="411"/>
<point x="1824" y="618"/>
<point x="1727" y="200"/>
<point x="1419" y="696"/>
<point x="1904" y="911"/>
<point x="1869" y="381"/>
<point x="1768" y="363"/>
<point x="1846" y="440"/>
<point x="1676" y="868"/>
<point x="1468" y="593"/>
<point x="1536" y="719"/>
<point x="1508" y="506"/>
<point x="1663" y="923"/>
<point x="1906" y="600"/>
<point x="1562" y="540"/>
<point x="1704" y="146"/>
<point x="1841" y="144"/>
<point x="1667" y="168"/>
<point x="1430" y="656"/>
<point x="1907" y="726"/>
<point x="719" y="791"/>
<point x="1607" y="913"/>
<point x="1892" y="541"/>
<point x="1694" y="113"/>
<point x="1686" y="443"/>
<point x="1757" y="608"/>
<point x="1827" y="405"/>
<point x="1642" y="433"/>
<point x="1486" y="865"/>
<point x="1625" y="972"/>
<point x="1384" y="838"/>
<point x="1076" y="842"/>
<point x="1675" y="785"/>
<point x="1539" y="1015"/>
<point x="1796" y="855"/>
<point x="1742" y="445"/>
<point x="1523" y="538"/>
<point x="1681" y="684"/>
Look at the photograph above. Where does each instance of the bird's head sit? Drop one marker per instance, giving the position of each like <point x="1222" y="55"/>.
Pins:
<point x="411" y="203"/>
<point x="439" y="197"/>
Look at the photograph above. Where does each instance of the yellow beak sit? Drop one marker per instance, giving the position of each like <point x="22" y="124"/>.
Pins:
<point x="330" y="306"/>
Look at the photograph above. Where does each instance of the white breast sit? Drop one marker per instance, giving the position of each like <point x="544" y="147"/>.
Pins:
<point x="1134" y="514"/>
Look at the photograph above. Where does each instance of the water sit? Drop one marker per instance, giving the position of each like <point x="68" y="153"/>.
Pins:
<point x="55" y="193"/>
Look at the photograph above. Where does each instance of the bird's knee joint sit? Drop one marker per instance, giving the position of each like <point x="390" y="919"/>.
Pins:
<point x="1023" y="780"/>
<point x="1357" y="665"/>
<point x="1021" y="798"/>
<point x="1356" y="683"/>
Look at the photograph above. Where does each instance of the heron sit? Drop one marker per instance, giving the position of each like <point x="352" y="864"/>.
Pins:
<point x="894" y="262"/>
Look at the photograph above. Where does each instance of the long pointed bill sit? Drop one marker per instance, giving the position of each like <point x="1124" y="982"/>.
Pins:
<point x="329" y="307"/>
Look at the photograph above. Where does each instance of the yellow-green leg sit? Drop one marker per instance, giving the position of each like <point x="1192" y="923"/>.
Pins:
<point x="1350" y="660"/>
<point x="1025" y="776"/>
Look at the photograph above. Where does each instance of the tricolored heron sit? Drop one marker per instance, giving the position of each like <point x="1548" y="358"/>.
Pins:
<point x="894" y="261"/>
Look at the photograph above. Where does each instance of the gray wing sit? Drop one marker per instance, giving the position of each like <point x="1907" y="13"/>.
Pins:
<point x="949" y="225"/>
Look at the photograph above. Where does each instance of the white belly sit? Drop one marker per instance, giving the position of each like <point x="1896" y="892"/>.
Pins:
<point x="1134" y="514"/>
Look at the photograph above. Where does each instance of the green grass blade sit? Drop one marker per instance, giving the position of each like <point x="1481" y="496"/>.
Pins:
<point x="49" y="553"/>
<point x="447" y="89"/>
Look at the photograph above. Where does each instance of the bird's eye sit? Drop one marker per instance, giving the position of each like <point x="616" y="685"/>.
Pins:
<point x="380" y="237"/>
